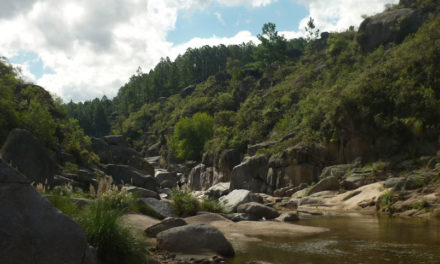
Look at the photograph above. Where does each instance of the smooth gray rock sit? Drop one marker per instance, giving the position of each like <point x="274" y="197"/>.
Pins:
<point x="194" y="182"/>
<point x="229" y="158"/>
<point x="251" y="174"/>
<point x="287" y="217"/>
<point x="165" y="224"/>
<point x="337" y="171"/>
<point x="121" y="155"/>
<point x="397" y="182"/>
<point x="218" y="190"/>
<point x="237" y="197"/>
<point x="124" y="174"/>
<point x="161" y="207"/>
<point x="166" y="179"/>
<point x="259" y="210"/>
<point x="330" y="183"/>
<point x="141" y="192"/>
<point x="237" y="217"/>
<point x="355" y="180"/>
<point x="32" y="230"/>
<point x="195" y="238"/>
<point x="386" y="27"/>
<point x="24" y="152"/>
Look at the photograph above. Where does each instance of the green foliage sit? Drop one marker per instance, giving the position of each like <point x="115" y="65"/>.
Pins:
<point x="71" y="167"/>
<point x="101" y="221"/>
<point x="312" y="31"/>
<point x="423" y="204"/>
<point x="190" y="135"/>
<point x="65" y="204"/>
<point x="273" y="46"/>
<point x="387" y="200"/>
<point x="114" y="242"/>
<point x="212" y="205"/>
<point x="184" y="203"/>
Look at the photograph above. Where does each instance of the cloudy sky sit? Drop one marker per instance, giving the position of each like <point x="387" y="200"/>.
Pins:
<point x="82" y="49"/>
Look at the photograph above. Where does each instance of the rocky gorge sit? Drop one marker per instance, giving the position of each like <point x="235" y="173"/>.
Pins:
<point x="286" y="164"/>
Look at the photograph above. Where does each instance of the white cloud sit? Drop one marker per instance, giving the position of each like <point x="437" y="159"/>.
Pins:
<point x="338" y="15"/>
<point x="253" y="3"/>
<point x="219" y="17"/>
<point x="93" y="47"/>
<point x="25" y="72"/>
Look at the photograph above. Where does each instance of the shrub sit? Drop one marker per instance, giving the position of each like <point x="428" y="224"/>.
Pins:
<point x="211" y="205"/>
<point x="65" y="204"/>
<point x="113" y="242"/>
<point x="190" y="135"/>
<point x="387" y="200"/>
<point x="184" y="203"/>
<point x="71" y="167"/>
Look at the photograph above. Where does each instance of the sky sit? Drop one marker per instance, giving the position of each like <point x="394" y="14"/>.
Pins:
<point x="83" y="49"/>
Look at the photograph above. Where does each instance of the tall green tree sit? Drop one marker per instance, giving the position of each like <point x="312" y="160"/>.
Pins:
<point x="191" y="134"/>
<point x="273" y="46"/>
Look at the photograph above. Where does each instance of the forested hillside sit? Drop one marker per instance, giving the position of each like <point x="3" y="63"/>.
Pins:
<point x="28" y="106"/>
<point x="376" y="92"/>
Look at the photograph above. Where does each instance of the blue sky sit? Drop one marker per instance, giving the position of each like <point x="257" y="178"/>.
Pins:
<point x="84" y="49"/>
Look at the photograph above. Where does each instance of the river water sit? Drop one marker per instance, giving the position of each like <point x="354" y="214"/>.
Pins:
<point x="360" y="239"/>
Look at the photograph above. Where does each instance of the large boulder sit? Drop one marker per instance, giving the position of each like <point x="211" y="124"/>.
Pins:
<point x="237" y="197"/>
<point x="140" y="192"/>
<point x="356" y="180"/>
<point x="201" y="177"/>
<point x="296" y="165"/>
<point x="32" y="230"/>
<point x="338" y="171"/>
<point x="194" y="177"/>
<point x="330" y="183"/>
<point x="119" y="154"/>
<point x="167" y="223"/>
<point x="161" y="207"/>
<point x="166" y="179"/>
<point x="229" y="158"/>
<point x="218" y="190"/>
<point x="386" y="27"/>
<point x="195" y="238"/>
<point x="258" y="210"/>
<point x="23" y="151"/>
<point x="287" y="217"/>
<point x="123" y="174"/>
<point x="251" y="174"/>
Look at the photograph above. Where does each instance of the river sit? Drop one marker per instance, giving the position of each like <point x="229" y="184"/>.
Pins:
<point x="355" y="239"/>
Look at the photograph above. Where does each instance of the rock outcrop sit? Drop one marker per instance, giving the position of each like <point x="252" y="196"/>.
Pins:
<point x="32" y="230"/>
<point x="330" y="183"/>
<point x="237" y="197"/>
<point x="161" y="207"/>
<point x="195" y="238"/>
<point x="386" y="27"/>
<point x="123" y="174"/>
<point x="251" y="175"/>
<point x="295" y="166"/>
<point x="166" y="179"/>
<point x="23" y="151"/>
<point x="258" y="210"/>
<point x="167" y="223"/>
<point x="121" y="155"/>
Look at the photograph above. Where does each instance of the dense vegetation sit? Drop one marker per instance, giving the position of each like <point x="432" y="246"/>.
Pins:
<point x="29" y="106"/>
<point x="324" y="89"/>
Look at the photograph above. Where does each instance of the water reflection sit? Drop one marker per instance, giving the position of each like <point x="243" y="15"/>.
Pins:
<point x="367" y="240"/>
